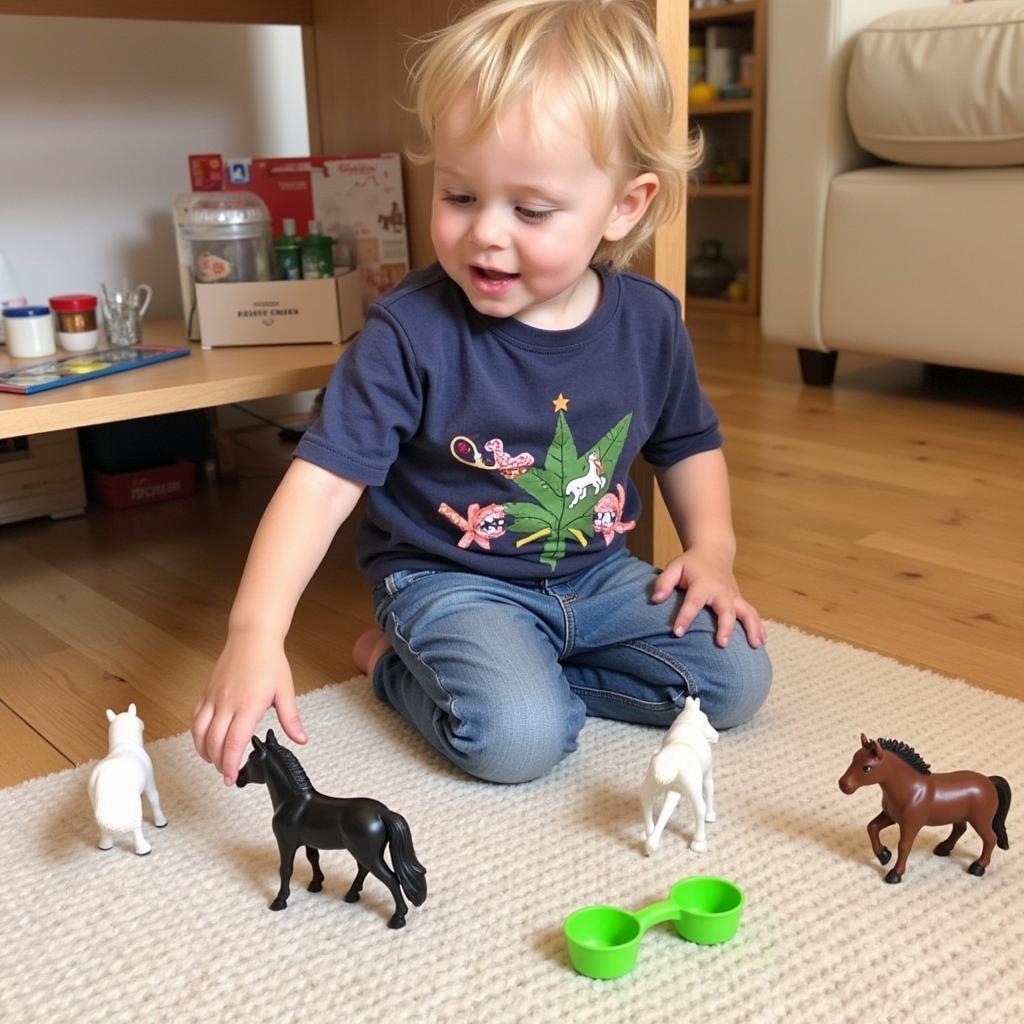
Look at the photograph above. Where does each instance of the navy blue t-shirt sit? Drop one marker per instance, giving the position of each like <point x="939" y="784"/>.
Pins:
<point x="493" y="447"/>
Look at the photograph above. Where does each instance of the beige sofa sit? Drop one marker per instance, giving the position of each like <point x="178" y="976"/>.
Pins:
<point x="894" y="182"/>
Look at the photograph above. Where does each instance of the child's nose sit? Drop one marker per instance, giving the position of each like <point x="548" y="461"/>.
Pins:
<point x="489" y="228"/>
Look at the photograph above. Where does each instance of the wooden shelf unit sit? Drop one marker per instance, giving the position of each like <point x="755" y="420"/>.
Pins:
<point x="707" y="219"/>
<point x="355" y="62"/>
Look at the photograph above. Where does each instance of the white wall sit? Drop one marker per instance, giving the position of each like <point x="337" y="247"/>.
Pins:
<point x="97" y="118"/>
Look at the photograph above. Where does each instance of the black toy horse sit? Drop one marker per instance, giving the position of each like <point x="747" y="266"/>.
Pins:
<point x="304" y="817"/>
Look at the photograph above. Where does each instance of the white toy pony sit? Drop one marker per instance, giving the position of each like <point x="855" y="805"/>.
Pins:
<point x="117" y="782"/>
<point x="682" y="765"/>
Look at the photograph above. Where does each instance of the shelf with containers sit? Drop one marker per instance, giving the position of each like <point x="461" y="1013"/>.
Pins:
<point x="727" y="105"/>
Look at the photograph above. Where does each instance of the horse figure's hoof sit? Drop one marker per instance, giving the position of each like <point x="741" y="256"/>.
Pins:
<point x="397" y="921"/>
<point x="699" y="845"/>
<point x="650" y="847"/>
<point x="161" y="824"/>
<point x="884" y="855"/>
<point x="316" y="885"/>
<point x="711" y="817"/>
<point x="109" y="845"/>
<point x="893" y="877"/>
<point x="279" y="904"/>
<point x="351" y="897"/>
<point x="977" y="869"/>
<point x="943" y="850"/>
<point x="144" y="853"/>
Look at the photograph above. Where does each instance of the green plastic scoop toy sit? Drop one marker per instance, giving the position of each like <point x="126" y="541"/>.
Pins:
<point x="604" y="941"/>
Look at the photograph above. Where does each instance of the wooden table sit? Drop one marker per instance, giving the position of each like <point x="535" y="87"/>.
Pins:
<point x="201" y="379"/>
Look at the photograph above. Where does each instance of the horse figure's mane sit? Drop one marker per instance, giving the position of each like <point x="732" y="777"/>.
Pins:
<point x="902" y="751"/>
<point x="292" y="766"/>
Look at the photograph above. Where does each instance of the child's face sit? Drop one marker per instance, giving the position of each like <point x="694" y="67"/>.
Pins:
<point x="518" y="214"/>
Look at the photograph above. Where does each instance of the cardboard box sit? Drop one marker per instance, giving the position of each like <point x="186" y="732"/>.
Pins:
<point x="280" y="312"/>
<point x="357" y="199"/>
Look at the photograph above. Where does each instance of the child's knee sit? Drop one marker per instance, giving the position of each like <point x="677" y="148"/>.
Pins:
<point x="743" y="687"/>
<point x="513" y="747"/>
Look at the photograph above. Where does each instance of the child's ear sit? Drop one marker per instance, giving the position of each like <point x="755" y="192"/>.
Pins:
<point x="634" y="199"/>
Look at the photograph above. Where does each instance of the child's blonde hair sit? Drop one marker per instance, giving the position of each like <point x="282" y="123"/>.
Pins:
<point x="603" y="52"/>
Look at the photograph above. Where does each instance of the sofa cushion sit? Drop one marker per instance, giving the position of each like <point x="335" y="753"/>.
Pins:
<point x="942" y="86"/>
<point x="920" y="263"/>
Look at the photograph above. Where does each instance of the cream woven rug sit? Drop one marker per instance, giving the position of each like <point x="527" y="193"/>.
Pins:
<point x="185" y="934"/>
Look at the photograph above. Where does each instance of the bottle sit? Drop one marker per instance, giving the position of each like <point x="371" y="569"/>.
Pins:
<point x="317" y="260"/>
<point x="288" y="252"/>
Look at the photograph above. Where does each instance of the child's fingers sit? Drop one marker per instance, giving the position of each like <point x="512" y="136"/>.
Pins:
<point x="235" y="742"/>
<point x="200" y="723"/>
<point x="665" y="584"/>
<point x="215" y="737"/>
<point x="288" y="716"/>
<point x="695" y="599"/>
<point x="726" y="623"/>
<point x="752" y="624"/>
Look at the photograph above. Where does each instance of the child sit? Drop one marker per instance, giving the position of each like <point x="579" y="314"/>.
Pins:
<point x="492" y="407"/>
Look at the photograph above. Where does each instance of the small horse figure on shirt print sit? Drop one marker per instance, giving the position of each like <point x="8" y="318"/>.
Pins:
<point x="594" y="477"/>
<point x="682" y="765"/>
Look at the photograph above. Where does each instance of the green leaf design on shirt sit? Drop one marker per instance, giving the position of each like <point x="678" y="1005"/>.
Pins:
<point x="547" y="485"/>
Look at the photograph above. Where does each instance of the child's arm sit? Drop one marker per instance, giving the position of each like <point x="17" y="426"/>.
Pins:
<point x="252" y="671"/>
<point x="696" y="492"/>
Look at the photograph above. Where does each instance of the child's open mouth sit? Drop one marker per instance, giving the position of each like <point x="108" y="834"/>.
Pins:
<point x="492" y="282"/>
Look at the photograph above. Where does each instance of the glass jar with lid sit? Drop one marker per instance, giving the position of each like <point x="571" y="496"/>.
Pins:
<point x="229" y="238"/>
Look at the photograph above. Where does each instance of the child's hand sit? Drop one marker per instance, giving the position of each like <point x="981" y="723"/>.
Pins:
<point x="708" y="580"/>
<point x="250" y="675"/>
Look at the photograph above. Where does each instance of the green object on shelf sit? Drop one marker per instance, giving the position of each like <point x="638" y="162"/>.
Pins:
<point x="603" y="942"/>
<point x="317" y="257"/>
<point x="288" y="253"/>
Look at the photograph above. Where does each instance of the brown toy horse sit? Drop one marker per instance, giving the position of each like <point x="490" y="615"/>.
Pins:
<point x="913" y="797"/>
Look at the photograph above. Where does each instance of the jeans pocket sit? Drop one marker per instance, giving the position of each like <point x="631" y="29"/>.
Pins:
<point x="391" y="586"/>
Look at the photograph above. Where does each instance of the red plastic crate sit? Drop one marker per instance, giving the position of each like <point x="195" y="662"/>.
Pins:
<point x="144" y="486"/>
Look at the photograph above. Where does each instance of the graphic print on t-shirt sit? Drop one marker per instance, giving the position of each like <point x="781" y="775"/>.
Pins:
<point x="571" y="498"/>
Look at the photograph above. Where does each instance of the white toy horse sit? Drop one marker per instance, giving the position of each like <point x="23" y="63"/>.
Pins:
<point x="682" y="765"/>
<point x="117" y="782"/>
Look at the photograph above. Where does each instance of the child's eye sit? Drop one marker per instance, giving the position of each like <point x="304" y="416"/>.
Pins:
<point x="457" y="198"/>
<point x="533" y="215"/>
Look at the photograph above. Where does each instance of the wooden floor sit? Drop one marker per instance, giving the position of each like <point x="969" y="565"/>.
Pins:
<point x="886" y="512"/>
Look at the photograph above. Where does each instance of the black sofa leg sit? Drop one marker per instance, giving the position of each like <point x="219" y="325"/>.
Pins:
<point x="817" y="368"/>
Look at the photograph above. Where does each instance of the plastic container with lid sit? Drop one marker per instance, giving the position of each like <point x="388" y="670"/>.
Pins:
<point x="76" y="322"/>
<point x="29" y="331"/>
<point x="229" y="238"/>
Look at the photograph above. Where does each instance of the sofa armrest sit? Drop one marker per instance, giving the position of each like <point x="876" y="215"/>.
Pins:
<point x="808" y="142"/>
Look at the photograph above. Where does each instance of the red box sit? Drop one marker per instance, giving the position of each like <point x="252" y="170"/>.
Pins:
<point x="145" y="486"/>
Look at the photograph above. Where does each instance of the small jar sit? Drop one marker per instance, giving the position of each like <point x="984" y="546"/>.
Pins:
<point x="76" y="322"/>
<point x="29" y="331"/>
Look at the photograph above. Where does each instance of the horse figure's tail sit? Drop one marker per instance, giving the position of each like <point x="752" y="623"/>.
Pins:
<point x="412" y="875"/>
<point x="999" y="821"/>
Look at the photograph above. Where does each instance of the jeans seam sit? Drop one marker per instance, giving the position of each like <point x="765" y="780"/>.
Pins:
<point x="678" y="667"/>
<point x="421" y="661"/>
<point x="570" y="626"/>
<point x="624" y="699"/>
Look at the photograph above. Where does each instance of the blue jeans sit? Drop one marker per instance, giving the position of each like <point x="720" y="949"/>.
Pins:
<point x="499" y="677"/>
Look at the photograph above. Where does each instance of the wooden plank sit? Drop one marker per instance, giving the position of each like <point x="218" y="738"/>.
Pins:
<point x="24" y="754"/>
<point x="113" y="637"/>
<point x="64" y="696"/>
<point x="251" y="12"/>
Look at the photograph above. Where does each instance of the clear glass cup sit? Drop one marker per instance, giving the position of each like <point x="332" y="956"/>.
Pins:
<point x="123" y="310"/>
